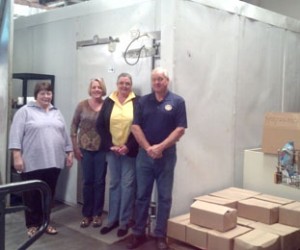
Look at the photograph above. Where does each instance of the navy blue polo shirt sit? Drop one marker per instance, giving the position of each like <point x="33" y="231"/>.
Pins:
<point x="159" y="119"/>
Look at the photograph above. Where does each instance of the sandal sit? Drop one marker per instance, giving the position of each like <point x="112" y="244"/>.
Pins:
<point x="51" y="230"/>
<point x="85" y="222"/>
<point x="31" y="231"/>
<point x="97" y="221"/>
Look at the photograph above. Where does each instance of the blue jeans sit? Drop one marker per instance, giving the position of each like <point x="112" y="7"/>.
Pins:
<point x="121" y="188"/>
<point x="94" y="168"/>
<point x="149" y="170"/>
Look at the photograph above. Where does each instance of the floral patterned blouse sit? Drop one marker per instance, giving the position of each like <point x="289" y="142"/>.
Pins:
<point x="84" y="127"/>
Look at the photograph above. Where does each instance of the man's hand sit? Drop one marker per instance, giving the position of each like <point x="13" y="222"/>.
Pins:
<point x="155" y="151"/>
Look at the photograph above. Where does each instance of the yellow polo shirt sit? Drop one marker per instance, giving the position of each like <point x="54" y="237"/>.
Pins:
<point x="121" y="119"/>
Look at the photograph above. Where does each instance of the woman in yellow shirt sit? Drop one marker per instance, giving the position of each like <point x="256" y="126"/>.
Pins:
<point x="113" y="125"/>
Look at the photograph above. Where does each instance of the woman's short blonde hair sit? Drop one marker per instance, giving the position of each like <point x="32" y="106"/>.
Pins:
<point x="101" y="83"/>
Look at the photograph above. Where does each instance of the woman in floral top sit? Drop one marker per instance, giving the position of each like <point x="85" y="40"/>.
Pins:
<point x="86" y="142"/>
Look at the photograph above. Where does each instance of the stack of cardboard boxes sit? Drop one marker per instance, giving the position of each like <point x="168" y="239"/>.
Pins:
<point x="237" y="219"/>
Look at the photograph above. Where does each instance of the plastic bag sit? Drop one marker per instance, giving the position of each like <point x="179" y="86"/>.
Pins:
<point x="287" y="159"/>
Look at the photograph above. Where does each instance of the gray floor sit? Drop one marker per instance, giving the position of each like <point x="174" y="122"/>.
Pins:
<point x="66" y="219"/>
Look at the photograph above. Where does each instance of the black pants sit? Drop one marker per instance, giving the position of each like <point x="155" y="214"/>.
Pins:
<point x="32" y="199"/>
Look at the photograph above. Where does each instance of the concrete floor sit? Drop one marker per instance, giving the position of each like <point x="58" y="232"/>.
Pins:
<point x="66" y="219"/>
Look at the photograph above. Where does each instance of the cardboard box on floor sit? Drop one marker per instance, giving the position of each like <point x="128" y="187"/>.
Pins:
<point x="257" y="240"/>
<point x="217" y="200"/>
<point x="225" y="241"/>
<point x="289" y="236"/>
<point x="290" y="214"/>
<point x="259" y="210"/>
<point x="177" y="227"/>
<point x="279" y="128"/>
<point x="213" y="216"/>
<point x="197" y="236"/>
<point x="234" y="193"/>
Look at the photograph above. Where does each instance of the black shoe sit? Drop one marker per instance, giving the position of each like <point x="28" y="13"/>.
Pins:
<point x="161" y="243"/>
<point x="106" y="230"/>
<point x="136" y="240"/>
<point x="122" y="232"/>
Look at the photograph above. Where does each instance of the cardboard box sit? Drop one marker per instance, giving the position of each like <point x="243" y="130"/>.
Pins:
<point x="213" y="216"/>
<point x="279" y="128"/>
<point x="217" y="200"/>
<point x="197" y="236"/>
<point x="225" y="241"/>
<point x="244" y="222"/>
<point x="257" y="240"/>
<point x="289" y="236"/>
<point x="177" y="227"/>
<point x="290" y="214"/>
<point x="259" y="210"/>
<point x="273" y="199"/>
<point x="233" y="193"/>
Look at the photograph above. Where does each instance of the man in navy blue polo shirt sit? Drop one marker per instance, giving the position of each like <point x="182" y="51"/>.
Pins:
<point x="159" y="122"/>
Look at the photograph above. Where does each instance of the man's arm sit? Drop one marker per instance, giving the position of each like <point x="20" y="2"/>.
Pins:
<point x="168" y="142"/>
<point x="155" y="151"/>
<point x="140" y="136"/>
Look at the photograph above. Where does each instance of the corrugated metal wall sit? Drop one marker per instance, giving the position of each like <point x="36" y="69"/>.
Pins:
<point x="5" y="66"/>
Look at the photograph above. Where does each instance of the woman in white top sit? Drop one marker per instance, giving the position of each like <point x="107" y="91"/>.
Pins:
<point x="41" y="147"/>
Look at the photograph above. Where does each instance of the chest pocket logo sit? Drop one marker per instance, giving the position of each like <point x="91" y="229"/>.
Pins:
<point x="168" y="107"/>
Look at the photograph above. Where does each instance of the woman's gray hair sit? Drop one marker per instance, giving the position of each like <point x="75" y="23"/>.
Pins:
<point x="125" y="75"/>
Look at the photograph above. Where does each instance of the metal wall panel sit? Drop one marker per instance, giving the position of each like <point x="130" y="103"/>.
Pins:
<point x="231" y="69"/>
<point x="5" y="77"/>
